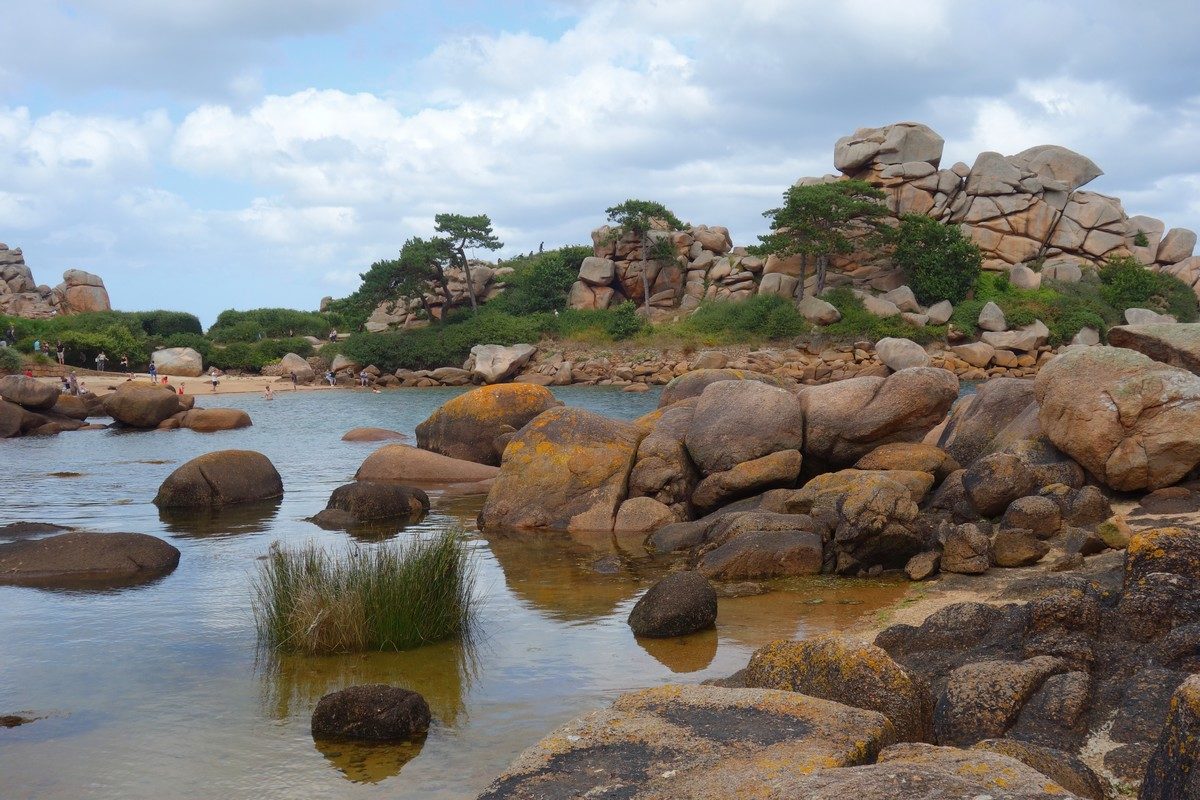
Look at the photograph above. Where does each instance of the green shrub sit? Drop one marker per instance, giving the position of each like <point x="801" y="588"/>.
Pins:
<point x="540" y="283"/>
<point x="238" y="355"/>
<point x="623" y="322"/>
<point x="168" y="323"/>
<point x="389" y="597"/>
<point x="858" y="323"/>
<point x="195" y="341"/>
<point x="763" y="316"/>
<point x="10" y="360"/>
<point x="275" y="349"/>
<point x="1128" y="284"/>
<point x="938" y="262"/>
<point x="249" y="326"/>
<point x="1064" y="308"/>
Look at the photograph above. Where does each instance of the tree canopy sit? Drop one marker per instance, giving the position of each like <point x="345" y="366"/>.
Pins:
<point x="823" y="219"/>
<point x="464" y="232"/>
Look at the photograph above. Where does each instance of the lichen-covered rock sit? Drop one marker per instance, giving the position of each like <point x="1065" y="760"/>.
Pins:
<point x="967" y="551"/>
<point x="910" y="456"/>
<point x="664" y="471"/>
<point x="567" y="469"/>
<point x="1172" y="343"/>
<point x="371" y="713"/>
<point x="977" y="422"/>
<point x="226" y="477"/>
<point x="1017" y="548"/>
<point x="466" y="426"/>
<point x="679" y="604"/>
<point x="1067" y="770"/>
<point x="643" y="514"/>
<point x="993" y="482"/>
<point x="982" y="699"/>
<point x="494" y="363"/>
<point x="737" y="421"/>
<point x="844" y="421"/>
<point x="923" y="565"/>
<point x="1174" y="769"/>
<point x="778" y="469"/>
<point x="91" y="559"/>
<point x="1040" y="516"/>
<point x="835" y="668"/>
<point x="141" y="405"/>
<point x="1128" y="419"/>
<point x="699" y="742"/>
<point x="760" y="545"/>
<point x="693" y="384"/>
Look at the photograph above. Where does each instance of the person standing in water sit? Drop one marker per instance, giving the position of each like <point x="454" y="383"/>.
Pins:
<point x="268" y="394"/>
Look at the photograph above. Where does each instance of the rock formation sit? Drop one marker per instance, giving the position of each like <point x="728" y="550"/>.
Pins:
<point x="20" y="296"/>
<point x="407" y="312"/>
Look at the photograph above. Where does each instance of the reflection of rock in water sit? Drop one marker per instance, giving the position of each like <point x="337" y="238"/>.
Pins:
<point x="682" y="653"/>
<point x="369" y="763"/>
<point x="365" y="532"/>
<point x="555" y="572"/>
<point x="227" y="521"/>
<point x="292" y="683"/>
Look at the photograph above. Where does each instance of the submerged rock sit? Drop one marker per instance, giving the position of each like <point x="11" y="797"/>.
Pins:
<point x="373" y="713"/>
<point x="366" y="501"/>
<point x="406" y="464"/>
<point x="95" y="559"/>
<point x="679" y="604"/>
<point x="372" y="435"/>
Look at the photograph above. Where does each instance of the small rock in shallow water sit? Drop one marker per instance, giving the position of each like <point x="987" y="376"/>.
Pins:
<point x="679" y="604"/>
<point x="373" y="712"/>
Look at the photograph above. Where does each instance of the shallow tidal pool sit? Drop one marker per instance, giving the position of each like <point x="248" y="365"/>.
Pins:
<point x="160" y="691"/>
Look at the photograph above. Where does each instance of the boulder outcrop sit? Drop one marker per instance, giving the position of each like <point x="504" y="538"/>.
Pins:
<point x="21" y="296"/>
<point x="183" y="362"/>
<point x="142" y="405"/>
<point x="373" y="713"/>
<point x="86" y="559"/>
<point x="467" y="427"/>
<point x="226" y="477"/>
<point x="406" y="464"/>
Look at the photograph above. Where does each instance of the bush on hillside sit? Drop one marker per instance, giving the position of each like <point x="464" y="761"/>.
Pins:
<point x="858" y="323"/>
<point x="938" y="262"/>
<point x="540" y="283"/>
<point x="763" y="316"/>
<point x="198" y="343"/>
<point x="1128" y="284"/>
<point x="273" y="323"/>
<point x="241" y="356"/>
<point x="1064" y="308"/>
<point x="10" y="360"/>
<point x="623" y="321"/>
<point x="168" y="323"/>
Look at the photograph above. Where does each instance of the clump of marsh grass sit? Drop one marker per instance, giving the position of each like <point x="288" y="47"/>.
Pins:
<point x="393" y="596"/>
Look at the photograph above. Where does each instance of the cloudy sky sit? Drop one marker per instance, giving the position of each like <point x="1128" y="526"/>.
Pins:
<point x="212" y="154"/>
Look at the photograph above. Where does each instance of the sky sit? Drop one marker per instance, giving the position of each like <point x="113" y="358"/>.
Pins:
<point x="222" y="154"/>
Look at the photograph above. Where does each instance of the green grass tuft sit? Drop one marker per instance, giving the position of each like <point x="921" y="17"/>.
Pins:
<point x="389" y="597"/>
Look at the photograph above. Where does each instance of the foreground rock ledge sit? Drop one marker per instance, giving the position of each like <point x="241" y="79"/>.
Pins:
<point x="96" y="559"/>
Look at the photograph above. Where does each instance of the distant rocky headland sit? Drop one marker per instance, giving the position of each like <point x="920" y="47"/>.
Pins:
<point x="22" y="296"/>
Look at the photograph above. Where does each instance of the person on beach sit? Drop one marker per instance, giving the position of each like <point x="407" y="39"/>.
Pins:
<point x="125" y="364"/>
<point x="153" y="373"/>
<point x="37" y="346"/>
<point x="295" y="381"/>
<point x="65" y="388"/>
<point x="74" y="384"/>
<point x="101" y="362"/>
<point x="362" y="378"/>
<point x="329" y="377"/>
<point x="179" y="391"/>
<point x="61" y="353"/>
<point x="213" y="376"/>
<point x="268" y="394"/>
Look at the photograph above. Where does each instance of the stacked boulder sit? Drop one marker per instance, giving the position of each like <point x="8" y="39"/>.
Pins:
<point x="21" y="296"/>
<point x="408" y="312"/>
<point x="31" y="407"/>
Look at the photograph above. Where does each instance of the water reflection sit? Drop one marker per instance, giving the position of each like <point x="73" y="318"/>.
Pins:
<point x="553" y="572"/>
<point x="234" y="520"/>
<point x="291" y="684"/>
<point x="682" y="654"/>
<point x="359" y="762"/>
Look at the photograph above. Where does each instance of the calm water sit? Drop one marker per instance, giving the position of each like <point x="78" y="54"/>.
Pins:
<point x="158" y="691"/>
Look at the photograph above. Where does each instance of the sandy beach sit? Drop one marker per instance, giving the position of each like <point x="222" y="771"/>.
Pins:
<point x="102" y="382"/>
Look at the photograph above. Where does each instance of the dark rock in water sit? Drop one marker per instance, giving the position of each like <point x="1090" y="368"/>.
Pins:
<point x="226" y="477"/>
<point x="967" y="550"/>
<point x="86" y="559"/>
<point x="1017" y="548"/>
<point x="15" y="420"/>
<point x="1174" y="769"/>
<point x="373" y="712"/>
<point x="835" y="668"/>
<point x="995" y="481"/>
<point x="607" y="565"/>
<point x="679" y="604"/>
<point x="742" y="589"/>
<point x="1040" y="516"/>
<point x="923" y="565"/>
<point x="29" y="392"/>
<point x="982" y="699"/>
<point x="365" y="501"/>
<point x="14" y="530"/>
<point x="16" y="720"/>
<point x="1067" y="770"/>
<point x="697" y="742"/>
